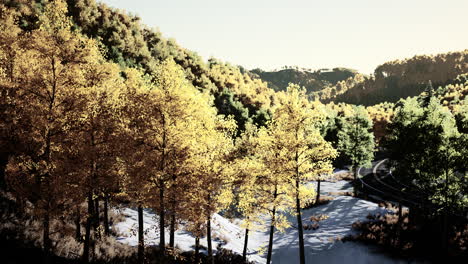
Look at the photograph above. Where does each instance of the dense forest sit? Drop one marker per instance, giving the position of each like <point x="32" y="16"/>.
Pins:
<point x="97" y="110"/>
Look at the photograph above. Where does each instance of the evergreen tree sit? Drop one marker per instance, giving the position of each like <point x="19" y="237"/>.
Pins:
<point x="425" y="97"/>
<point x="356" y="140"/>
<point x="427" y="153"/>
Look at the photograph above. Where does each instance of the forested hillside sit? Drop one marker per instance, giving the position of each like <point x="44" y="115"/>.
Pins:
<point x="390" y="82"/>
<point x="402" y="78"/>
<point x="129" y="43"/>
<point x="313" y="81"/>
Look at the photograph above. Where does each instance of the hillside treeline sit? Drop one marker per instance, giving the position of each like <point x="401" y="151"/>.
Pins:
<point x="313" y="81"/>
<point x="404" y="78"/>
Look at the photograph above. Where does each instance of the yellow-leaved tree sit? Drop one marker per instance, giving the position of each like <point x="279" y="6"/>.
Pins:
<point x="305" y="154"/>
<point x="249" y="169"/>
<point x="97" y="142"/>
<point x="212" y="175"/>
<point x="165" y="120"/>
<point x="50" y="86"/>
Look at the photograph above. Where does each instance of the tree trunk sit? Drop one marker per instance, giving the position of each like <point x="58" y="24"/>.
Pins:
<point x="444" y="233"/>
<point x="317" y="199"/>
<point x="445" y="236"/>
<point x="106" y="215"/>
<point x="162" y="235"/>
<point x="78" y="224"/>
<point x="96" y="211"/>
<point x="272" y="230"/>
<point x="141" y="239"/>
<point x="355" y="170"/>
<point x="173" y="215"/>
<point x="46" y="238"/>
<point x="299" y="225"/>
<point x="208" y="241"/>
<point x="400" y="213"/>
<point x="89" y="221"/>
<point x="400" y="225"/>
<point x="172" y="230"/>
<point x="246" y="240"/>
<point x="197" y="249"/>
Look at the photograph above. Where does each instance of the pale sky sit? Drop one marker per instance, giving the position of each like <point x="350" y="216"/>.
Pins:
<point x="268" y="34"/>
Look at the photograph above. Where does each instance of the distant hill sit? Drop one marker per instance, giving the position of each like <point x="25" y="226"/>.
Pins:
<point x="403" y="78"/>
<point x="390" y="82"/>
<point x="313" y="81"/>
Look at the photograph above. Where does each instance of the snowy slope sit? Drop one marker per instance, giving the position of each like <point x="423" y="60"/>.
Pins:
<point x="321" y="245"/>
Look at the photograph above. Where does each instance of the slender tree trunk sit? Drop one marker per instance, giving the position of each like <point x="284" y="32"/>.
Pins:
<point x="172" y="228"/>
<point x="208" y="240"/>
<point x="141" y="239"/>
<point x="96" y="211"/>
<point x="400" y="223"/>
<point x="197" y="249"/>
<point x="106" y="215"/>
<point x="400" y="213"/>
<point x="298" y="213"/>
<point x="173" y="215"/>
<point x="162" y="209"/>
<point x="444" y="233"/>
<point x="445" y="216"/>
<point x="48" y="161"/>
<point x="246" y="240"/>
<point x="317" y="198"/>
<point x="46" y="196"/>
<point x="299" y="225"/>
<point x="162" y="215"/>
<point x="272" y="231"/>
<point x="89" y="220"/>
<point x="354" y="182"/>
<point x="46" y="238"/>
<point x="78" y="224"/>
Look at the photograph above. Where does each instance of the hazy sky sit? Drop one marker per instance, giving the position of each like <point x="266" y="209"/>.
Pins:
<point x="268" y="34"/>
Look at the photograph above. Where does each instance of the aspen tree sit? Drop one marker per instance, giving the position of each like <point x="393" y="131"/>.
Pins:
<point x="212" y="168"/>
<point x="98" y="135"/>
<point x="50" y="82"/>
<point x="135" y="158"/>
<point x="298" y="143"/>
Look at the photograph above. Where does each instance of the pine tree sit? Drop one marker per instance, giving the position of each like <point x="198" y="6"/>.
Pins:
<point x="356" y="140"/>
<point x="427" y="152"/>
<point x="426" y="96"/>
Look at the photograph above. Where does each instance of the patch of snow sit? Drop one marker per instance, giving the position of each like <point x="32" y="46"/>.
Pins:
<point x="333" y="187"/>
<point x="336" y="171"/>
<point x="321" y="245"/>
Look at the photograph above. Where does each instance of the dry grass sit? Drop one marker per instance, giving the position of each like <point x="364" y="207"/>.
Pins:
<point x="343" y="176"/>
<point x="343" y="194"/>
<point x="315" y="219"/>
<point x="324" y="199"/>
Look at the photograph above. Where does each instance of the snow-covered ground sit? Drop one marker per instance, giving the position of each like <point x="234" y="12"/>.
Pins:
<point x="321" y="245"/>
<point x="332" y="188"/>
